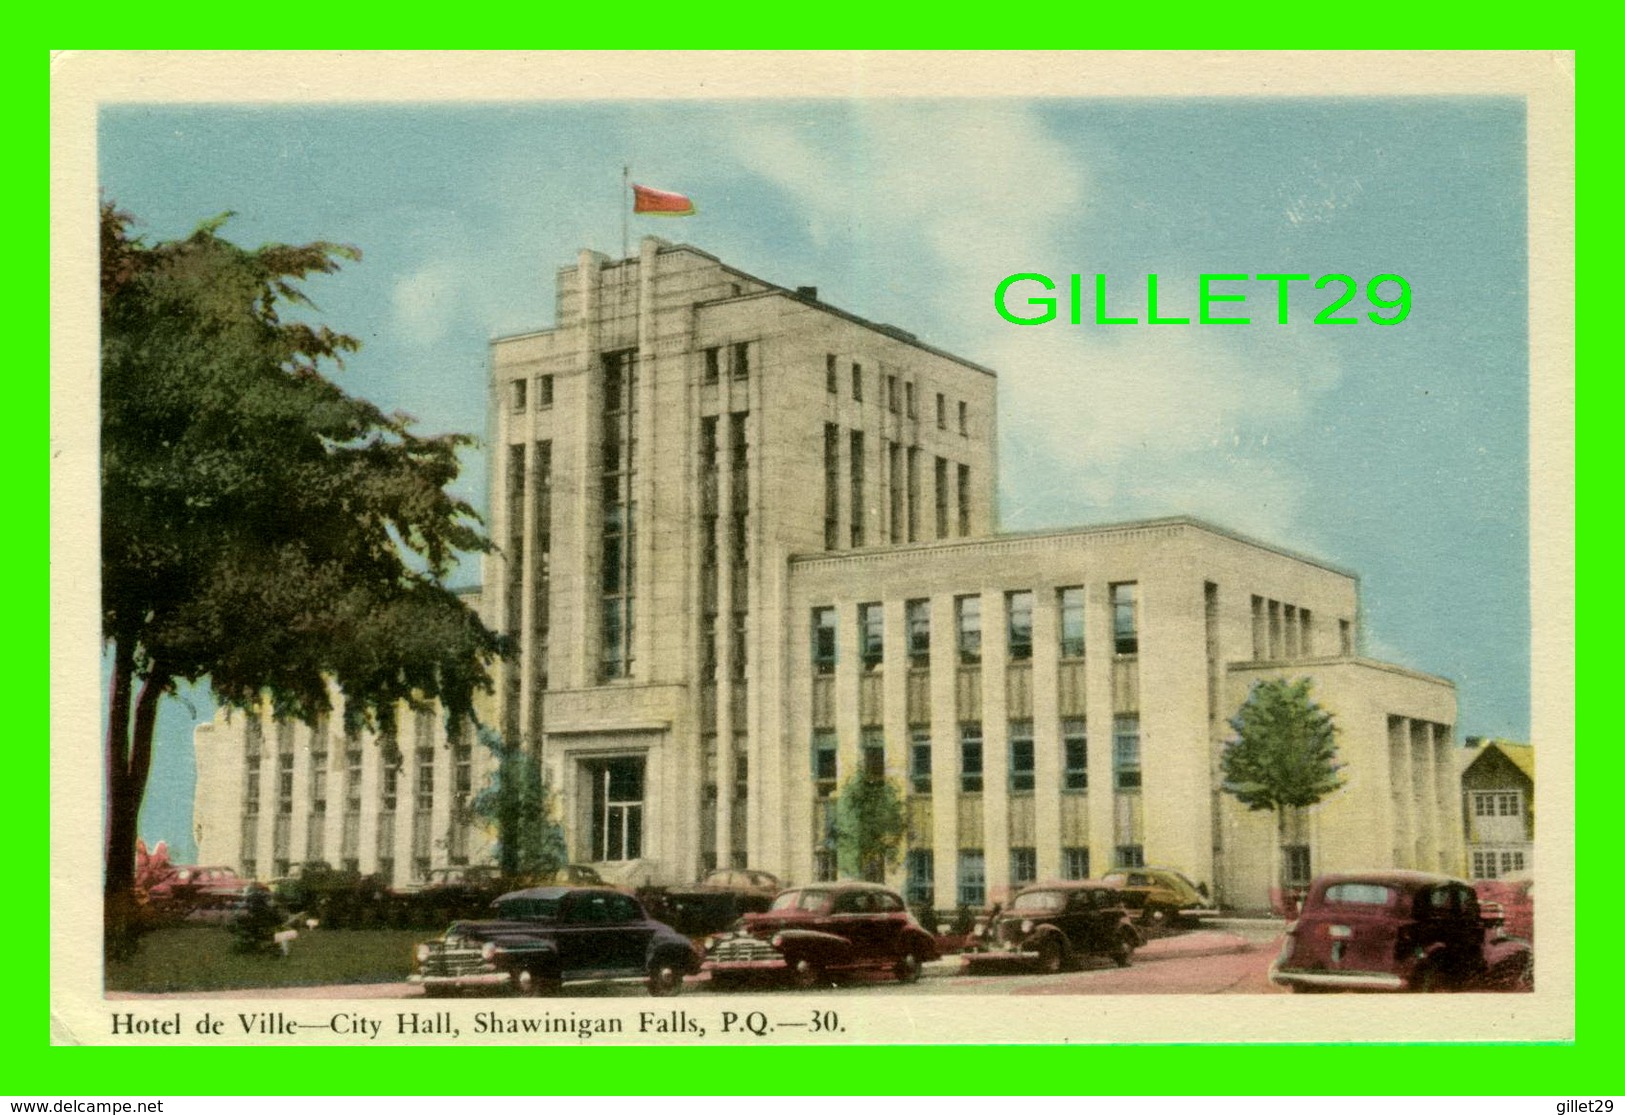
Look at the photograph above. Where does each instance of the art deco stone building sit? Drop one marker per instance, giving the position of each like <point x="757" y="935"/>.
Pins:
<point x="749" y="546"/>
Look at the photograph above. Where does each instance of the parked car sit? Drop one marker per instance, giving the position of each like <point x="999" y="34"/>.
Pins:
<point x="1398" y="931"/>
<point x="810" y="933"/>
<point x="1161" y="895"/>
<point x="223" y="905"/>
<point x="1513" y="898"/>
<point x="448" y="893"/>
<point x="1055" y="925"/>
<point x="545" y="937"/>
<point x="341" y="898"/>
<point x="716" y="902"/>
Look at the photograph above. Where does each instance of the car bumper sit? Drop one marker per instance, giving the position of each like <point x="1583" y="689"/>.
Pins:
<point x="472" y="979"/>
<point x="775" y="964"/>
<point x="1340" y="981"/>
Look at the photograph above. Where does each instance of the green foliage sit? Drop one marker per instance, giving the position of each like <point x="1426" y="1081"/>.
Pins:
<point x="1284" y="754"/>
<point x="518" y="802"/>
<point x="871" y="821"/>
<point x="262" y="529"/>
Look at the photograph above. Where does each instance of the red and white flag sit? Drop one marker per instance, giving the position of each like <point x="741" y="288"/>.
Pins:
<point x="660" y="203"/>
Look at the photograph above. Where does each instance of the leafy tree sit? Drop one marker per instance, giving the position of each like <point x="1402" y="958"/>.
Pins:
<point x="1284" y="754"/>
<point x="261" y="529"/>
<point x="519" y="803"/>
<point x="871" y="821"/>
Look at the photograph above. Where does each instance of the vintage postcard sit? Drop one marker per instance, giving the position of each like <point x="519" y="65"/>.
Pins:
<point x="838" y="548"/>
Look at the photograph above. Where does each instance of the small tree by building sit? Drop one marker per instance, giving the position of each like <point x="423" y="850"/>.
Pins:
<point x="1283" y="755"/>
<point x="518" y="802"/>
<point x="871" y="821"/>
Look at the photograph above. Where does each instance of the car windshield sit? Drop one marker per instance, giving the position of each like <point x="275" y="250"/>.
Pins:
<point x="1038" y="902"/>
<point x="1360" y="894"/>
<point x="528" y="907"/>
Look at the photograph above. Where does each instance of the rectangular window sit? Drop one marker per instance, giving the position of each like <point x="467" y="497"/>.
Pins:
<point x="318" y="782"/>
<point x="1295" y="861"/>
<point x="972" y="878"/>
<point x="544" y="386"/>
<point x="942" y="498"/>
<point x="908" y="400"/>
<point x="891" y="394"/>
<point x="942" y="411"/>
<point x="970" y="757"/>
<point x="824" y="770"/>
<point x="1260" y="631"/>
<point x="896" y="489"/>
<point x="251" y="787"/>
<point x="1021" y="757"/>
<point x="1075" y="745"/>
<point x="829" y="373"/>
<point x="1509" y="805"/>
<point x="913" y="484"/>
<point x="919" y="760"/>
<point x="857" y="382"/>
<point x="860" y="510"/>
<point x="1130" y="855"/>
<point x="1023" y="866"/>
<point x="1125" y="617"/>
<point x="741" y="360"/>
<point x="463" y="770"/>
<point x="738" y="639"/>
<point x="425" y="785"/>
<point x="1071" y="604"/>
<point x="1019" y="605"/>
<point x="832" y="482"/>
<point x="713" y="364"/>
<point x="964" y="500"/>
<point x="391" y="784"/>
<point x="517" y="396"/>
<point x="824" y="865"/>
<point x="921" y="888"/>
<point x="823" y="640"/>
<point x="1345" y="637"/>
<point x="1126" y="752"/>
<point x="1074" y="863"/>
<point x="874" y="753"/>
<point x="919" y="633"/>
<point x="968" y="620"/>
<point x="284" y="783"/>
<point x="964" y="419"/>
<point x="871" y="635"/>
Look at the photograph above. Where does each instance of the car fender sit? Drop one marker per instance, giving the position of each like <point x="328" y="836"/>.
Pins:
<point x="681" y="951"/>
<point x="828" y="948"/>
<point x="920" y="943"/>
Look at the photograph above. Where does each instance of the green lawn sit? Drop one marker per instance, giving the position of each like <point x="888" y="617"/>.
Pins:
<point x="201" y="959"/>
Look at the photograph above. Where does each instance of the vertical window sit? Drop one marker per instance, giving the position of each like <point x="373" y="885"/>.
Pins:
<point x="874" y="753"/>
<point x="942" y="498"/>
<point x="1345" y="637"/>
<point x="908" y="400"/>
<point x="352" y="780"/>
<point x="1295" y="859"/>
<point x="462" y="770"/>
<point x="738" y="638"/>
<point x="1306" y="633"/>
<point x="391" y="784"/>
<point x="919" y="633"/>
<point x="913" y="484"/>
<point x="544" y="386"/>
<point x="1019" y="605"/>
<point x="251" y="787"/>
<point x="968" y="619"/>
<point x="857" y="382"/>
<point x="713" y="364"/>
<point x="425" y="788"/>
<point x="1289" y="618"/>
<point x="964" y="419"/>
<point x="1071" y="602"/>
<point x="824" y="770"/>
<point x="829" y="373"/>
<point x="1276" y="648"/>
<point x="823" y="640"/>
<point x="1075" y="745"/>
<point x="1126" y="752"/>
<point x="921" y="888"/>
<point x="891" y="394"/>
<point x="1023" y="866"/>
<point x="894" y="482"/>
<point x="942" y="411"/>
<point x="1074" y="863"/>
<point x="919" y="760"/>
<point x="1125" y="618"/>
<point x="1260" y="631"/>
<point x="318" y="782"/>
<point x="284" y="783"/>
<point x="970" y="757"/>
<point x="964" y="500"/>
<point x="972" y="878"/>
<point x="741" y="360"/>
<point x="1130" y="855"/>
<point x="619" y="537"/>
<point x="824" y="865"/>
<point x="708" y="648"/>
<point x="518" y="390"/>
<point x="859" y="508"/>
<point x="832" y="481"/>
<point x="1021" y="757"/>
<point x="871" y="635"/>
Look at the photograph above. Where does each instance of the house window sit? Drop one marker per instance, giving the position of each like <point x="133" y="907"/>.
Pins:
<point x="1130" y="855"/>
<point x="919" y="760"/>
<point x="1071" y="604"/>
<point x="1023" y="866"/>
<point x="1074" y="863"/>
<point x="1126" y="752"/>
<point x="284" y="783"/>
<point x="318" y="782"/>
<point x="517" y="395"/>
<point x="739" y="638"/>
<point x="1508" y="805"/>
<point x="713" y="364"/>
<point x="942" y="497"/>
<point x="1295" y="862"/>
<point x="617" y="809"/>
<point x="463" y="770"/>
<point x="1125" y="618"/>
<point x="860" y="510"/>
<point x="1075" y="744"/>
<point x="1021" y="756"/>
<point x="1020" y="607"/>
<point x="908" y="400"/>
<point x="823" y="763"/>
<point x="964" y="419"/>
<point x="891" y="394"/>
<point x="972" y="878"/>
<point x="829" y="373"/>
<point x="919" y="633"/>
<point x="970" y="757"/>
<point x="871" y="635"/>
<point x="857" y="383"/>
<point x="1345" y="637"/>
<point x="251" y="787"/>
<point x="968" y="620"/>
<point x="824" y="865"/>
<point x="425" y="786"/>
<point x="921" y="887"/>
<point x="874" y="753"/>
<point x="544" y="391"/>
<point x="832" y="481"/>
<point x="741" y="360"/>
<point x="823" y="640"/>
<point x="964" y="500"/>
<point x="942" y="411"/>
<point x="391" y="785"/>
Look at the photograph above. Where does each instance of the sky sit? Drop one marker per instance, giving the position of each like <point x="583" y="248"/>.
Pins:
<point x="1398" y="452"/>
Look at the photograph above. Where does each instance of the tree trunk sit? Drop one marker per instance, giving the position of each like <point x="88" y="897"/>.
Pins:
<point x="1277" y="861"/>
<point x="119" y="871"/>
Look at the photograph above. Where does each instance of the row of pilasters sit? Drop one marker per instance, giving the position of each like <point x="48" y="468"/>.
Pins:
<point x="1424" y="798"/>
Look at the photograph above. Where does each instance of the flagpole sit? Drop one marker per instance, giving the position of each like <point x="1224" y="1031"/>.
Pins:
<point x="626" y="190"/>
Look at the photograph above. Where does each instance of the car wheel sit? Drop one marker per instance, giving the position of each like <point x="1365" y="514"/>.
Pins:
<point x="1430" y="980"/>
<point x="1123" y="950"/>
<point x="664" y="979"/>
<point x="1154" y="917"/>
<point x="533" y="983"/>
<point x="1051" y="954"/>
<point x="806" y="975"/>
<point x="907" y="968"/>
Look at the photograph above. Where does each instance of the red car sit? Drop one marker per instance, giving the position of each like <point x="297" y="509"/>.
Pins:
<point x="1398" y="931"/>
<point x="813" y="932"/>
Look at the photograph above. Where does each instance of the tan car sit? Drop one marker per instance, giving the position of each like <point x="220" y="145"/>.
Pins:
<point x="1161" y="895"/>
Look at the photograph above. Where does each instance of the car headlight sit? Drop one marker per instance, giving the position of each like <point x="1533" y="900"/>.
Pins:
<point x="1026" y="926"/>
<point x="777" y="941"/>
<point x="488" y="951"/>
<point x="423" y="952"/>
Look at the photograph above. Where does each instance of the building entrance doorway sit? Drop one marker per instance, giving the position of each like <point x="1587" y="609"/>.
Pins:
<point x="617" y="808"/>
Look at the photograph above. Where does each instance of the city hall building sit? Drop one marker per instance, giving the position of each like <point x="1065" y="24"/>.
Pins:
<point x="749" y="546"/>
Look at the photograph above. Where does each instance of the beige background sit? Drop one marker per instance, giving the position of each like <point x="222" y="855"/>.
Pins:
<point x="80" y="81"/>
